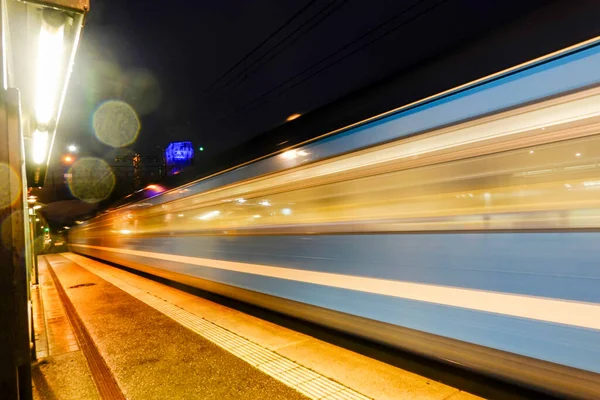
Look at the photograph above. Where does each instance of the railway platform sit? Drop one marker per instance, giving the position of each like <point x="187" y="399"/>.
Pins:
<point x="103" y="332"/>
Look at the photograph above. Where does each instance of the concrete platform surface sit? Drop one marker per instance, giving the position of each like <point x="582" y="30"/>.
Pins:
<point x="341" y="371"/>
<point x="152" y="356"/>
<point x="61" y="370"/>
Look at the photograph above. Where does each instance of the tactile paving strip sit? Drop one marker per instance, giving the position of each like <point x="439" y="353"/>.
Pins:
<point x="302" y="379"/>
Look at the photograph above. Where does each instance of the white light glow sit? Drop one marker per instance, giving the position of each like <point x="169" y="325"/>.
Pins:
<point x="256" y="216"/>
<point x="241" y="200"/>
<point x="72" y="148"/>
<point x="286" y="211"/>
<point x="567" y="185"/>
<point x="50" y="48"/>
<point x="209" y="215"/>
<point x="265" y="203"/>
<point x="290" y="154"/>
<point x="577" y="154"/>
<point x="125" y="231"/>
<point x="591" y="183"/>
<point x="37" y="207"/>
<point x="40" y="146"/>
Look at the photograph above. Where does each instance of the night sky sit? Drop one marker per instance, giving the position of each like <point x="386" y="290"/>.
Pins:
<point x="184" y="70"/>
<point x="221" y="73"/>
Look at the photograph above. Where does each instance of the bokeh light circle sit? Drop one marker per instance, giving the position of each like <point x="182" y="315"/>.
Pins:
<point x="10" y="186"/>
<point x="91" y="179"/>
<point x="6" y="227"/>
<point x="116" y="123"/>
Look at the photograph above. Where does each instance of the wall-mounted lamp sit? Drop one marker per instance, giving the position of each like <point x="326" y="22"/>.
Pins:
<point x="44" y="38"/>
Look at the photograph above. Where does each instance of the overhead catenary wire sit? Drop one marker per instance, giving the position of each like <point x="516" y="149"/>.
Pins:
<point x="322" y="15"/>
<point x="263" y="42"/>
<point x="269" y="93"/>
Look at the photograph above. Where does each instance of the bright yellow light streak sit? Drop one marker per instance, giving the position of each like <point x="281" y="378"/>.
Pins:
<point x="209" y="215"/>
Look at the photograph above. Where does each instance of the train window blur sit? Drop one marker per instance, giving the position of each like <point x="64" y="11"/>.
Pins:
<point x="545" y="178"/>
<point x="549" y="186"/>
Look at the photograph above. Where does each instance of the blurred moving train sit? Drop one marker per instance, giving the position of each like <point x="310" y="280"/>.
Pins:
<point x="464" y="227"/>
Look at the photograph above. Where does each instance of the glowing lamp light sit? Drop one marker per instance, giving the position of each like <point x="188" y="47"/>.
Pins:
<point x="37" y="207"/>
<point x="52" y="32"/>
<point x="40" y="146"/>
<point x="49" y="60"/>
<point x="68" y="159"/>
<point x="293" y="117"/>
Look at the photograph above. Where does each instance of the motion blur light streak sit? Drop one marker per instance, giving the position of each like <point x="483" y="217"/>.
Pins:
<point x="289" y="155"/>
<point x="430" y="228"/>
<point x="293" y="117"/>
<point x="544" y="309"/>
<point x="292" y="154"/>
<point x="209" y="215"/>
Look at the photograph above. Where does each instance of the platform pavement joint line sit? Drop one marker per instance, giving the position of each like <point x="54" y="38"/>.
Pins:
<point x="296" y="376"/>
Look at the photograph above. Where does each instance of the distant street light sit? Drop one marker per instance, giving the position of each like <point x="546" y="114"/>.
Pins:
<point x="72" y="148"/>
<point x="68" y="159"/>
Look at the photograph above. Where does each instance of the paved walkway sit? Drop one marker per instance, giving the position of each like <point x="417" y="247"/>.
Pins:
<point x="150" y="355"/>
